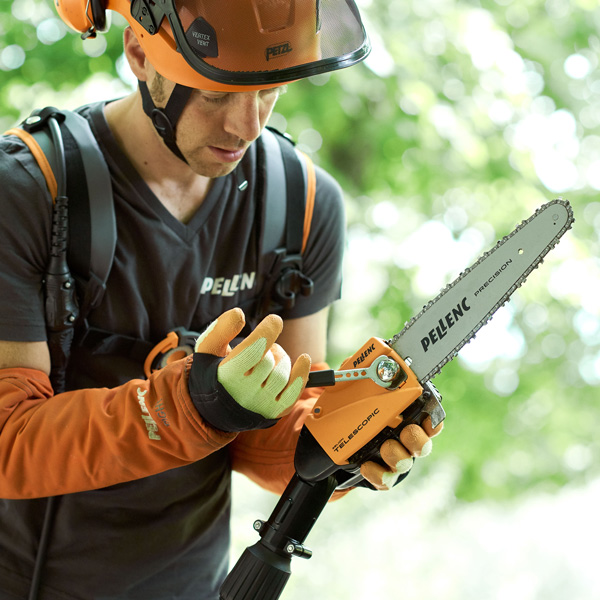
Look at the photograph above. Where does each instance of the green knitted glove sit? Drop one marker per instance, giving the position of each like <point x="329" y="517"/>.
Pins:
<point x="252" y="384"/>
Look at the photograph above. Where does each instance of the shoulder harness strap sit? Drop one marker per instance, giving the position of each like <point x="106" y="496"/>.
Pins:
<point x="92" y="223"/>
<point x="100" y="240"/>
<point x="83" y="230"/>
<point x="290" y="173"/>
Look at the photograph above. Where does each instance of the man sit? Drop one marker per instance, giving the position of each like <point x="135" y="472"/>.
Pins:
<point x="142" y="466"/>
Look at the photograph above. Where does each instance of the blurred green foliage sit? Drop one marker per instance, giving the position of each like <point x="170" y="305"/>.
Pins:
<point x="467" y="116"/>
<point x="470" y="116"/>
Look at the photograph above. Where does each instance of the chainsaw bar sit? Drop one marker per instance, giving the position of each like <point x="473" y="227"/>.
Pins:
<point x="434" y="336"/>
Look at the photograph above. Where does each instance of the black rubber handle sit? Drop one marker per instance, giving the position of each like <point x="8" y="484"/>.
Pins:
<point x="321" y="378"/>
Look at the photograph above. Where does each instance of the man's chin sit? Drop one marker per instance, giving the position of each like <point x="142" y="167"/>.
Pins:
<point x="212" y="170"/>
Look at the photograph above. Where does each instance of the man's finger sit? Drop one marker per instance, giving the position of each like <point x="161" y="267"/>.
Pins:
<point x="374" y="473"/>
<point x="429" y="429"/>
<point x="215" y="339"/>
<point x="297" y="383"/>
<point x="301" y="369"/>
<point x="396" y="456"/>
<point x="257" y="344"/>
<point x="415" y="440"/>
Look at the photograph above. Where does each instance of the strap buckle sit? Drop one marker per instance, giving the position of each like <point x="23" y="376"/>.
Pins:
<point x="38" y="118"/>
<point x="178" y="344"/>
<point x="291" y="281"/>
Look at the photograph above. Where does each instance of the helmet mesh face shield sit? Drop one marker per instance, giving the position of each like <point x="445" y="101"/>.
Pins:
<point x="247" y="44"/>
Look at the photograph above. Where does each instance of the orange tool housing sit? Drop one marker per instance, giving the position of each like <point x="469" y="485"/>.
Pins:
<point x="350" y="414"/>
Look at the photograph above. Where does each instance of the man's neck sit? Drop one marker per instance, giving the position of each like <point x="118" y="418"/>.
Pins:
<point x="173" y="182"/>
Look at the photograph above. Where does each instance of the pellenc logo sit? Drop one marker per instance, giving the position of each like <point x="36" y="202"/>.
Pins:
<point x="225" y="286"/>
<point x="278" y="50"/>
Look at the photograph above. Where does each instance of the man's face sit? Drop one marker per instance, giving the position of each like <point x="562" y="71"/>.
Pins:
<point x="216" y="128"/>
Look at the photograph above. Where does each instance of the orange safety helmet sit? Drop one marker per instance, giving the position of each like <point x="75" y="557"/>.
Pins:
<point x="240" y="45"/>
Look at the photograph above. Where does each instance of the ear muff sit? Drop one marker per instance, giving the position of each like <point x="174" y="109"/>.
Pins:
<point x="85" y="16"/>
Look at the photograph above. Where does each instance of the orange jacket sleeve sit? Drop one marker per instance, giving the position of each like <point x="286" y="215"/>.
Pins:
<point x="93" y="438"/>
<point x="266" y="456"/>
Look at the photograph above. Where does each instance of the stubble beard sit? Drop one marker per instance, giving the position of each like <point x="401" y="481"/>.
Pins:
<point x="202" y="162"/>
<point x="203" y="168"/>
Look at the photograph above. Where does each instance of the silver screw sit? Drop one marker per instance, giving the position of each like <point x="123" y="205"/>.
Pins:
<point x="387" y="369"/>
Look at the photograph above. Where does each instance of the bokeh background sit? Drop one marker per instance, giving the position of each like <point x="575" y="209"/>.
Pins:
<point x="466" y="118"/>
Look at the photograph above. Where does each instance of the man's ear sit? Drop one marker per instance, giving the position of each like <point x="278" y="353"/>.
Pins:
<point x="135" y="55"/>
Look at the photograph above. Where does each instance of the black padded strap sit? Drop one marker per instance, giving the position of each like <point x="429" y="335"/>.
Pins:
<point x="80" y="233"/>
<point x="273" y="179"/>
<point x="281" y="188"/>
<point x="103" y="237"/>
<point x="92" y="222"/>
<point x="295" y="187"/>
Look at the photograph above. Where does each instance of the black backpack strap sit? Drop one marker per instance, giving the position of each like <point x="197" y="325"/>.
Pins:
<point x="92" y="222"/>
<point x="270" y="161"/>
<point x="102" y="220"/>
<point x="60" y="301"/>
<point x="283" y="173"/>
<point x="93" y="229"/>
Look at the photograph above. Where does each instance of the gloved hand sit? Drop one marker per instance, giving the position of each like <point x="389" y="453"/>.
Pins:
<point x="415" y="442"/>
<point x="251" y="386"/>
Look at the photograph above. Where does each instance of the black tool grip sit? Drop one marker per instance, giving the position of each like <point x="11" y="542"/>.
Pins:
<point x="259" y="573"/>
<point x="321" y="378"/>
<point x="264" y="568"/>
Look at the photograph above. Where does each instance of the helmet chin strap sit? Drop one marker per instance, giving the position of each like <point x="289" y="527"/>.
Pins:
<point x="165" y="119"/>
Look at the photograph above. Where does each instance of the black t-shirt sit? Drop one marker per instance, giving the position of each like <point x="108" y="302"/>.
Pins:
<point x="165" y="536"/>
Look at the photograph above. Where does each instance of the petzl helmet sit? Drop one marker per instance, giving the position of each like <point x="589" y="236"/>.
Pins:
<point x="239" y="45"/>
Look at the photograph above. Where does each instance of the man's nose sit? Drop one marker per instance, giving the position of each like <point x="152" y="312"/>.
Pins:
<point x="243" y="119"/>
